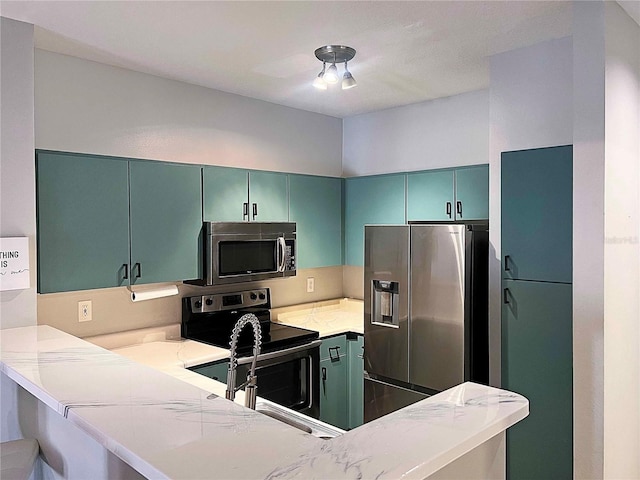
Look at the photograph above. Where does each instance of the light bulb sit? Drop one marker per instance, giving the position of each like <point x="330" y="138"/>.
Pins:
<point x="319" y="82"/>
<point x="347" y="79"/>
<point x="331" y="75"/>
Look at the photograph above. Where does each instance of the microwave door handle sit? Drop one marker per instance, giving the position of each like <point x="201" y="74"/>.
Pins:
<point x="281" y="259"/>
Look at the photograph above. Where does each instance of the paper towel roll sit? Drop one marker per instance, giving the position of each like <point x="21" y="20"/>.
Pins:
<point x="151" y="294"/>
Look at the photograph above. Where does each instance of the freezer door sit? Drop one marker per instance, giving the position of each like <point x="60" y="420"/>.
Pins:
<point x="381" y="398"/>
<point x="386" y="301"/>
<point x="437" y="306"/>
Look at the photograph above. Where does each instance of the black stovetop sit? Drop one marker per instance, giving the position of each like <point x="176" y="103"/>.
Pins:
<point x="214" y="328"/>
<point x="277" y="337"/>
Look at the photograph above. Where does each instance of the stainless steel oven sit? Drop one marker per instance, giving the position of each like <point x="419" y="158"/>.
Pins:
<point x="288" y="377"/>
<point x="288" y="367"/>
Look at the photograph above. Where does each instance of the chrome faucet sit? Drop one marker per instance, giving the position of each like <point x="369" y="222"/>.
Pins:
<point x="252" y="379"/>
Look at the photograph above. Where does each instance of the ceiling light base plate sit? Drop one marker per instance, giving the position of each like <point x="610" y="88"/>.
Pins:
<point x="335" y="53"/>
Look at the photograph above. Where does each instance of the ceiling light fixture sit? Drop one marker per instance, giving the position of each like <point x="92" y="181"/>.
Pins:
<point x="334" y="54"/>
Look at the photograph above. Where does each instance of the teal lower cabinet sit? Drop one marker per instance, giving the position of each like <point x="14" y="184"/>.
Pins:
<point x="342" y="381"/>
<point x="216" y="371"/>
<point x="333" y="381"/>
<point x="537" y="362"/>
<point x="355" y="347"/>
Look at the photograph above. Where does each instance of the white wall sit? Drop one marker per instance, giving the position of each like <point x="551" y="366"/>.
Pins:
<point x="17" y="168"/>
<point x="446" y="132"/>
<point x="621" y="249"/>
<point x="530" y="107"/>
<point x="83" y="106"/>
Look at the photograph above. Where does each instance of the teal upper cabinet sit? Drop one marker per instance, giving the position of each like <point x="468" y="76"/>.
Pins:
<point x="537" y="214"/>
<point x="268" y="197"/>
<point x="444" y="195"/>
<point x="83" y="222"/>
<point x="236" y="195"/>
<point x="315" y="204"/>
<point x="105" y="222"/>
<point x="225" y="193"/>
<point x="430" y="195"/>
<point x="371" y="200"/>
<point x="472" y="193"/>
<point x="166" y="219"/>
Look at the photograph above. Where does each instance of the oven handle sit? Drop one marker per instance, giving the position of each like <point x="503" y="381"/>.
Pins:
<point x="281" y="353"/>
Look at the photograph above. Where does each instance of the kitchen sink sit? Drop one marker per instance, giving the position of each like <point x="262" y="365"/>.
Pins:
<point x="297" y="420"/>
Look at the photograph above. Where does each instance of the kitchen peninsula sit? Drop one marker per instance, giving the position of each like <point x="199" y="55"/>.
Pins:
<point x="164" y="427"/>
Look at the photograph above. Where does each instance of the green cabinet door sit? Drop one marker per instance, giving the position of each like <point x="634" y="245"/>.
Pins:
<point x="356" y="380"/>
<point x="166" y="221"/>
<point x="537" y="363"/>
<point x="333" y="391"/>
<point x="430" y="195"/>
<point x="225" y="194"/>
<point x="334" y="395"/>
<point x="83" y="222"/>
<point x="537" y="214"/>
<point x="472" y="193"/>
<point x="268" y="197"/>
<point x="315" y="204"/>
<point x="371" y="200"/>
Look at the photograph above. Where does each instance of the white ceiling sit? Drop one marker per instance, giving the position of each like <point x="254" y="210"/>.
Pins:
<point x="407" y="52"/>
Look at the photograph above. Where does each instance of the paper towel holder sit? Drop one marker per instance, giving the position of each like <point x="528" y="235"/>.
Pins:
<point x="152" y="293"/>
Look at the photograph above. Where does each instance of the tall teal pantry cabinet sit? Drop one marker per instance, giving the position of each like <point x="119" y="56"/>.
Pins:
<point x="537" y="354"/>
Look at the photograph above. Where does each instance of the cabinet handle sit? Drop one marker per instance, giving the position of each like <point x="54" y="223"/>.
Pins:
<point x="506" y="263"/>
<point x="459" y="208"/>
<point x="337" y="357"/>
<point x="139" y="269"/>
<point x="255" y="210"/>
<point x="245" y="210"/>
<point x="449" y="209"/>
<point x="126" y="271"/>
<point x="506" y="296"/>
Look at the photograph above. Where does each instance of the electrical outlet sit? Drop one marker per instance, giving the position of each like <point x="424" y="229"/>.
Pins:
<point x="311" y="284"/>
<point x="84" y="311"/>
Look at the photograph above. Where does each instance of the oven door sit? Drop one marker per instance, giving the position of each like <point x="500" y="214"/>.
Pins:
<point x="288" y="377"/>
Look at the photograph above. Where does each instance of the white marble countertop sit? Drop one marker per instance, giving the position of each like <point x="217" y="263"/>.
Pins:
<point x="167" y="428"/>
<point x="330" y="317"/>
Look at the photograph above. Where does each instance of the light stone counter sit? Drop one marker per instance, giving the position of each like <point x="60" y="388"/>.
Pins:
<point x="166" y="428"/>
<point x="330" y="317"/>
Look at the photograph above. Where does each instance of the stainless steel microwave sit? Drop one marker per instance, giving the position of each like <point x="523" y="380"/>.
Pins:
<point x="237" y="252"/>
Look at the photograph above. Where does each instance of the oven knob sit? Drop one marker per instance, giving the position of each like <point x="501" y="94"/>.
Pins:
<point x="262" y="297"/>
<point x="198" y="304"/>
<point x="209" y="301"/>
<point x="253" y="296"/>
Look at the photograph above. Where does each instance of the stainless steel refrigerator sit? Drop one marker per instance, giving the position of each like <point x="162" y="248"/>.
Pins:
<point x="426" y="311"/>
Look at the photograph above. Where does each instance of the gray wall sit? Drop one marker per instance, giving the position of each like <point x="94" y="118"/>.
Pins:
<point x="88" y="107"/>
<point x="446" y="132"/>
<point x="17" y="180"/>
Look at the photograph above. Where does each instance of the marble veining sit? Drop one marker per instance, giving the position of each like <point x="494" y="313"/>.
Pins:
<point x="165" y="427"/>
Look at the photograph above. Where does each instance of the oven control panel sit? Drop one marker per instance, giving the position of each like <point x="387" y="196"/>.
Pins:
<point x="230" y="301"/>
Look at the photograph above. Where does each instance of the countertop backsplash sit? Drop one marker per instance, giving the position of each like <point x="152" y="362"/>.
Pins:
<point x="113" y="310"/>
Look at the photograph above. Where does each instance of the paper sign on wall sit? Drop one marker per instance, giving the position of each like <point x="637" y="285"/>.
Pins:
<point x="14" y="263"/>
